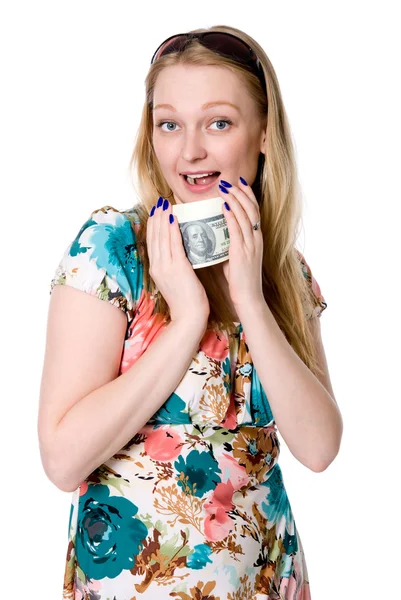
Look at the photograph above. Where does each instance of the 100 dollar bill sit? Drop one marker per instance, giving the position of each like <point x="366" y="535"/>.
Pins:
<point x="204" y="231"/>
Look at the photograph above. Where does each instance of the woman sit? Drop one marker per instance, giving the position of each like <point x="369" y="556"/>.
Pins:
<point x="162" y="416"/>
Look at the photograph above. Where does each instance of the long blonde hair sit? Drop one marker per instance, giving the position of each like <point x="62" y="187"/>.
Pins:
<point x="286" y="288"/>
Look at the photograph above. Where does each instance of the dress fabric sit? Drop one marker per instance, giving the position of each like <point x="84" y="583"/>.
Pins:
<point x="194" y="506"/>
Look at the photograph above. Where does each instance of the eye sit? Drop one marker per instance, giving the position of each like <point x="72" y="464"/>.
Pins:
<point x="161" y="123"/>
<point x="223" y="121"/>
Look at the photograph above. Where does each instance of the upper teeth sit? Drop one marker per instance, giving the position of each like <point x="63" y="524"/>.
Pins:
<point x="199" y="175"/>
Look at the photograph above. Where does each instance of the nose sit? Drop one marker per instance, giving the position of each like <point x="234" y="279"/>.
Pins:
<point x="193" y="146"/>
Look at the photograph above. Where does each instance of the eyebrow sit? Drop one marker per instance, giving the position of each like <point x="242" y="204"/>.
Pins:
<point x="204" y="106"/>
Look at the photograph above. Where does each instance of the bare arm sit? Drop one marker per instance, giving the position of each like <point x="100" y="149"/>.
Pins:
<point x="87" y="412"/>
<point x="306" y="412"/>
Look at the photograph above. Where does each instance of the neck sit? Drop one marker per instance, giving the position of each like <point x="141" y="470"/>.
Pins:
<point x="218" y="272"/>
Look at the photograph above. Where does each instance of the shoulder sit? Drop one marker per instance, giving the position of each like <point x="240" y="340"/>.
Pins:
<point x="108" y="232"/>
<point x="318" y="299"/>
<point x="103" y="258"/>
<point x="107" y="217"/>
<point x="108" y="238"/>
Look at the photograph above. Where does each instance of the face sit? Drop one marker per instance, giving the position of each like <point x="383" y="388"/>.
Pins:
<point x="189" y="136"/>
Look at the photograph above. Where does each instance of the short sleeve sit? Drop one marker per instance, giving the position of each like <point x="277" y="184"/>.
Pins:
<point x="103" y="260"/>
<point x="319" y="301"/>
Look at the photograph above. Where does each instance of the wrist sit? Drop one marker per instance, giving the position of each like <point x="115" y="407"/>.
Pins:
<point x="246" y="303"/>
<point x="193" y="320"/>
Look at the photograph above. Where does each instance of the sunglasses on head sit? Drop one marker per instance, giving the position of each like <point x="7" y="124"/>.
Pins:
<point x="225" y="44"/>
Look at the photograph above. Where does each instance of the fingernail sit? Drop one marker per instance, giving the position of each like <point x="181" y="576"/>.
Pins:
<point x="165" y="205"/>
<point x="223" y="189"/>
<point x="159" y="202"/>
<point x="226" y="205"/>
<point x="152" y="212"/>
<point x="171" y="218"/>
<point x="225" y="183"/>
<point x="243" y="181"/>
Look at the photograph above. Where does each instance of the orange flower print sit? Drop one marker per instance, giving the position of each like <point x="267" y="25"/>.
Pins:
<point x="257" y="449"/>
<point x="200" y="592"/>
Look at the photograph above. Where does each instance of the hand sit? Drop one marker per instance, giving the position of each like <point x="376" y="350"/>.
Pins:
<point x="243" y="270"/>
<point x="170" y="269"/>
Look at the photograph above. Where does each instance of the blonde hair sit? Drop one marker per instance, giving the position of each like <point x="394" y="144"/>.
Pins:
<point x="287" y="290"/>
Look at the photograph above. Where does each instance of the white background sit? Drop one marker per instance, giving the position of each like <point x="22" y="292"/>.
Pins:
<point x="72" y="78"/>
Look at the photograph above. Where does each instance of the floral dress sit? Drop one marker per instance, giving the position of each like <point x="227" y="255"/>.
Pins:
<point x="194" y="505"/>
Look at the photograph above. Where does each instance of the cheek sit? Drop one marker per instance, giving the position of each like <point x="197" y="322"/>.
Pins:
<point x="157" y="148"/>
<point x="165" y="154"/>
<point x="236" y="152"/>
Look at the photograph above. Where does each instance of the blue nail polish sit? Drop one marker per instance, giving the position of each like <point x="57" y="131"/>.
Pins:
<point x="243" y="181"/>
<point x="226" y="205"/>
<point x="165" y="205"/>
<point x="159" y="202"/>
<point x="152" y="212"/>
<point x="223" y="189"/>
<point x="225" y="183"/>
<point x="171" y="218"/>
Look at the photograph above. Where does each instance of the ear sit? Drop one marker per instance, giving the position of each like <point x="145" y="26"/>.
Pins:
<point x="263" y="142"/>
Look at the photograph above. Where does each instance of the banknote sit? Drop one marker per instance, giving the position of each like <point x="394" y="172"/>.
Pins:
<point x="204" y="231"/>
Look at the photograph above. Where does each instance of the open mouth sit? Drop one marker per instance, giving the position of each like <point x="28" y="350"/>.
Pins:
<point x="203" y="180"/>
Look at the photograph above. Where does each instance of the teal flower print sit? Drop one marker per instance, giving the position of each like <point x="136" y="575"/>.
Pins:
<point x="200" y="557"/>
<point x="285" y="566"/>
<point x="201" y="469"/>
<point x="260" y="408"/>
<point x="108" y="536"/>
<point x="115" y="250"/>
<point x="291" y="542"/>
<point x="277" y="507"/>
<point x="172" y="411"/>
<point x="70" y="518"/>
<point x="76" y="247"/>
<point x="226" y="366"/>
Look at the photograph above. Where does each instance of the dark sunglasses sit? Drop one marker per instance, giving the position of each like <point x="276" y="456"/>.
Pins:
<point x="223" y="43"/>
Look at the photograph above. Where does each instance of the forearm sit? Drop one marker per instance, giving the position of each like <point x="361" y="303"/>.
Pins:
<point x="306" y="415"/>
<point x="102" y="422"/>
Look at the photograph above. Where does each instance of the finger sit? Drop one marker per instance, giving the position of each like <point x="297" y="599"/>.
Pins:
<point x="241" y="218"/>
<point x="247" y="190"/>
<point x="164" y="238"/>
<point x="149" y="234"/>
<point x="244" y="212"/>
<point x="177" y="244"/>
<point x="233" y="227"/>
<point x="157" y="257"/>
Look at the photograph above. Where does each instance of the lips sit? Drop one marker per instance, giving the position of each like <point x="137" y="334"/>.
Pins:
<point x="189" y="173"/>
<point x="198" y="188"/>
<point x="196" y="178"/>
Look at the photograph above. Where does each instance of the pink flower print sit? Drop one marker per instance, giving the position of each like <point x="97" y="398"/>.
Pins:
<point x="289" y="586"/>
<point x="215" y="345"/>
<point x="316" y="288"/>
<point x="83" y="488"/>
<point x="143" y="330"/>
<point x="313" y="283"/>
<point x="86" y="590"/>
<point x="162" y="444"/>
<point x="218" y="524"/>
<point x="232" y="471"/>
